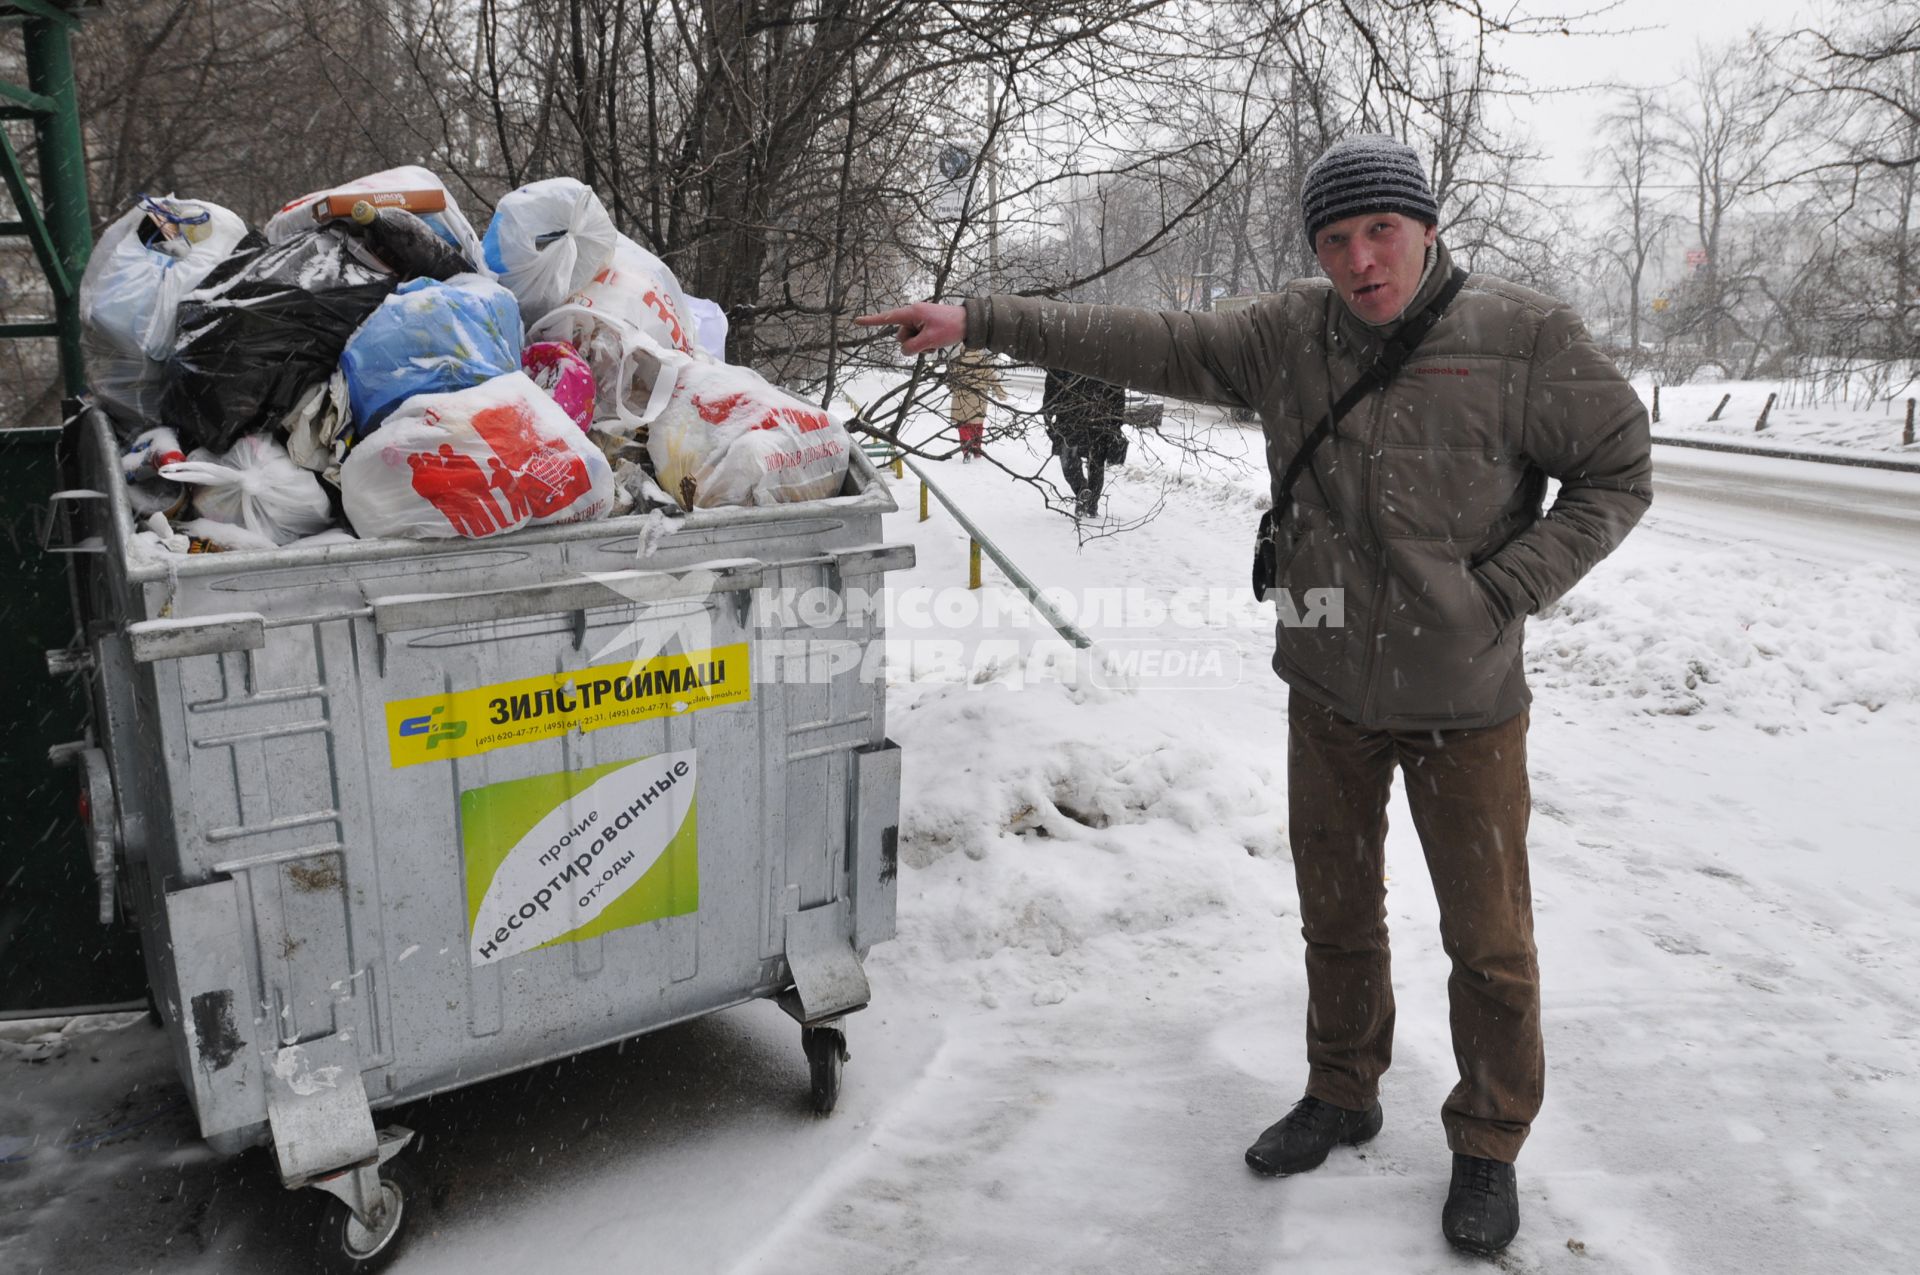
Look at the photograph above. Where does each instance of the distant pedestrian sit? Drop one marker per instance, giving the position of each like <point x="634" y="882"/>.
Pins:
<point x="1083" y="418"/>
<point x="972" y="382"/>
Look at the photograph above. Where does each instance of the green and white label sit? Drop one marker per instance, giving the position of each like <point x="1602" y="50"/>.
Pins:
<point x="564" y="857"/>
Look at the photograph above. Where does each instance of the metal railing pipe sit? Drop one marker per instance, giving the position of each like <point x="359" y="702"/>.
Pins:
<point x="981" y="542"/>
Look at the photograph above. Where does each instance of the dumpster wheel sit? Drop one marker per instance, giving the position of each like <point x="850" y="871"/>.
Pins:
<point x="350" y="1247"/>
<point x="826" y="1049"/>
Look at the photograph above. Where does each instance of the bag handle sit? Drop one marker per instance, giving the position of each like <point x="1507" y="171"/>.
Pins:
<point x="1393" y="355"/>
<point x="634" y="344"/>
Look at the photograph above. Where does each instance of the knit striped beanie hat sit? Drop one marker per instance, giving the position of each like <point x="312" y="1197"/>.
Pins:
<point x="1362" y="175"/>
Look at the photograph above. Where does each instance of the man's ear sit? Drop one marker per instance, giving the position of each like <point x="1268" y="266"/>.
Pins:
<point x="1433" y="233"/>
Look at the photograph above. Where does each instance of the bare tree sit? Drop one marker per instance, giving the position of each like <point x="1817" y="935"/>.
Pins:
<point x="1860" y="85"/>
<point x="1629" y="161"/>
<point x="782" y="155"/>
<point x="1724" y="131"/>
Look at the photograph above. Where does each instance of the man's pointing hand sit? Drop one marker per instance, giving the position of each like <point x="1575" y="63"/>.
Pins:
<point x="924" y="325"/>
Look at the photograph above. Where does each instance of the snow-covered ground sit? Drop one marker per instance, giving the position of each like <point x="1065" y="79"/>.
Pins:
<point x="1096" y="998"/>
<point x="1802" y="415"/>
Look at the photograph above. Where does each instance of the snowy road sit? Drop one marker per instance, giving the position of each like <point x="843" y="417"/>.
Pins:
<point x="1817" y="512"/>
<point x="1095" y="1000"/>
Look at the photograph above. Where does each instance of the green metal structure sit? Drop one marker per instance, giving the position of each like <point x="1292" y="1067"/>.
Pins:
<point x="54" y="951"/>
<point x="57" y="222"/>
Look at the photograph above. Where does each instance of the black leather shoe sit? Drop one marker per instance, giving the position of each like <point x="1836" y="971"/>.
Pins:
<point x="1483" y="1205"/>
<point x="1302" y="1138"/>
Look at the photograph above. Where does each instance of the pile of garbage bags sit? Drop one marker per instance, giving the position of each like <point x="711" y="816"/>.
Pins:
<point x="368" y="366"/>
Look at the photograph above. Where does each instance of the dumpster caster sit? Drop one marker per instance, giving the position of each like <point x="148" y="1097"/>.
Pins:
<point x="370" y="1208"/>
<point x="826" y="1049"/>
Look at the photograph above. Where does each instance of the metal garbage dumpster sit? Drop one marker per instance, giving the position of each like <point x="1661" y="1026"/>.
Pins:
<point x="396" y="817"/>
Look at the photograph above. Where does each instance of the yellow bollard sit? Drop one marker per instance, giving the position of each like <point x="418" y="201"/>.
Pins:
<point x="923" y="500"/>
<point x="899" y="465"/>
<point x="973" y="563"/>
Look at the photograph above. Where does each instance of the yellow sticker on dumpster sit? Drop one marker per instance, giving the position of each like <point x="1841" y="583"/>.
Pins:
<point x="461" y="723"/>
<point x="558" y="858"/>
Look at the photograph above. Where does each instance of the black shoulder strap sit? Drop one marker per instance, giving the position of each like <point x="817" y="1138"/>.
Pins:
<point x="1393" y="356"/>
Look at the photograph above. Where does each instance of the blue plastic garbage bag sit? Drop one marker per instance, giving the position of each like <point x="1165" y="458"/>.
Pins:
<point x="429" y="338"/>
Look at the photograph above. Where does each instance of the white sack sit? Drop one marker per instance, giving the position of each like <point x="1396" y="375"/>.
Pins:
<point x="255" y="485"/>
<point x="547" y="240"/>
<point x="130" y="299"/>
<point x="741" y="441"/>
<point x="477" y="462"/>
<point x="710" y="327"/>
<point x="634" y="326"/>
<point x="450" y="224"/>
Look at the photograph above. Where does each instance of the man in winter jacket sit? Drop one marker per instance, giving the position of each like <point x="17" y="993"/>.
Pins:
<point x="1424" y="510"/>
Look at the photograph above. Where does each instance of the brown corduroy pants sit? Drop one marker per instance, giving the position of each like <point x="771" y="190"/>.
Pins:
<point x="1470" y="799"/>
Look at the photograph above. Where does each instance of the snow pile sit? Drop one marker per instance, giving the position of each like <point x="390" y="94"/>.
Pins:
<point x="1244" y="496"/>
<point x="1201" y="461"/>
<point x="35" y="1040"/>
<point x="1800" y="415"/>
<point x="1037" y="822"/>
<point x="1707" y="635"/>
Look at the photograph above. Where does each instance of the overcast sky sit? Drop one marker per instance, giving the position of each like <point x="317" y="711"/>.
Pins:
<point x="1656" y="40"/>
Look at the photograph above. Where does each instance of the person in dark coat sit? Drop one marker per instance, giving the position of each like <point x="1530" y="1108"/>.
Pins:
<point x="1083" y="417"/>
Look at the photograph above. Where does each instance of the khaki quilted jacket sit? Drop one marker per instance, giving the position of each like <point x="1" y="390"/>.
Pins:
<point x="1424" y="510"/>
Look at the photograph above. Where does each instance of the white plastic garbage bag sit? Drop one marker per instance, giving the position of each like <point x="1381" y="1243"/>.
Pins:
<point x="710" y="327"/>
<point x="634" y="326"/>
<point x="475" y="463"/>
<point x="448" y="222"/>
<point x="728" y="437"/>
<point x="158" y="251"/>
<point x="255" y="484"/>
<point x="547" y="240"/>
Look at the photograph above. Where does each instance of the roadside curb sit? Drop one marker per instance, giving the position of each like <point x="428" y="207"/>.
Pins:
<point x="1895" y="463"/>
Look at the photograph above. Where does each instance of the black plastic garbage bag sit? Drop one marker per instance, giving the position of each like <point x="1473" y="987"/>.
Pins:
<point x="269" y="322"/>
